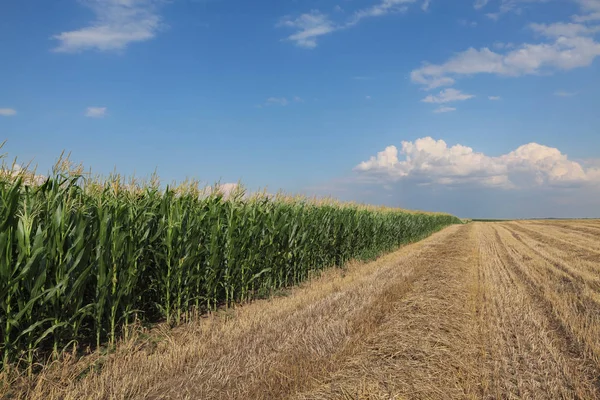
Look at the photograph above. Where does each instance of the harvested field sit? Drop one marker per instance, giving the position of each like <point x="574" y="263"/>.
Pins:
<point x="486" y="310"/>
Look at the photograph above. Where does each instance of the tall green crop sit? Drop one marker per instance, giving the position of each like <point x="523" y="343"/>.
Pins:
<point x="81" y="259"/>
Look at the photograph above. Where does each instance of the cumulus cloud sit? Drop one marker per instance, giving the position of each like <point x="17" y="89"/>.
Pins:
<point x="7" y="112"/>
<point x="429" y="161"/>
<point x="447" y="96"/>
<point x="15" y="171"/>
<point x="444" y="109"/>
<point x="118" y="23"/>
<point x="95" y="112"/>
<point x="227" y="189"/>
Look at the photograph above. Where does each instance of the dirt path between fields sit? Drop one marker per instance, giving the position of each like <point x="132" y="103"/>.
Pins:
<point x="479" y="311"/>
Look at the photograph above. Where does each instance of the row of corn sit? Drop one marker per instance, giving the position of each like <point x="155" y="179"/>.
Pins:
<point x="82" y="260"/>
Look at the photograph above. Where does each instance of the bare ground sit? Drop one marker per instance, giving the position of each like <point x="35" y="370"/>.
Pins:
<point x="505" y="310"/>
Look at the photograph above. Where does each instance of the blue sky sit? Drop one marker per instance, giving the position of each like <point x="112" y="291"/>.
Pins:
<point x="479" y="108"/>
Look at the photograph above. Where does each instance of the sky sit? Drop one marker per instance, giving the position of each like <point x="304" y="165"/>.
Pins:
<point x="480" y="108"/>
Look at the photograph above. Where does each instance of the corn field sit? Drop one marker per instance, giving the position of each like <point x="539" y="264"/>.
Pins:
<point x="82" y="259"/>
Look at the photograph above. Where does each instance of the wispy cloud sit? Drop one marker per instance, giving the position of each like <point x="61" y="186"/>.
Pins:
<point x="95" y="112"/>
<point x="506" y="6"/>
<point x="7" y="112"/>
<point x="502" y="45"/>
<point x="564" y="53"/>
<point x="590" y="9"/>
<point x="310" y="26"/>
<point x="494" y="98"/>
<point x="278" y="101"/>
<point x="567" y="29"/>
<point x="562" y="93"/>
<point x="480" y="4"/>
<point x="298" y="99"/>
<point x="447" y="96"/>
<point x="118" y="23"/>
<point x="444" y="109"/>
<point x="595" y="16"/>
<point x="383" y="8"/>
<point x="464" y="22"/>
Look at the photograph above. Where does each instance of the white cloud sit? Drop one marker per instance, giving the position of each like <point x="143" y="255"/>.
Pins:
<point x="15" y="171"/>
<point x="447" y="96"/>
<point x="586" y="18"/>
<point x="562" y="93"/>
<point x="563" y="54"/>
<point x="281" y="101"/>
<point x="568" y="29"/>
<point x="425" y="5"/>
<point x="429" y="161"/>
<point x="226" y="189"/>
<point x="589" y="5"/>
<point x="494" y="98"/>
<point x="464" y="22"/>
<point x="368" y="97"/>
<point x="383" y="8"/>
<point x="7" y="112"/>
<point x="501" y="45"/>
<point x="591" y="8"/>
<point x="444" y="109"/>
<point x="506" y="6"/>
<point x="118" y="23"/>
<point x="480" y="4"/>
<point x="435" y="82"/>
<point x="95" y="112"/>
<point x="309" y="27"/>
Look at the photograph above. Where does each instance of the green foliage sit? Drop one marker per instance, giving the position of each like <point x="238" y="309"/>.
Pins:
<point x="80" y="260"/>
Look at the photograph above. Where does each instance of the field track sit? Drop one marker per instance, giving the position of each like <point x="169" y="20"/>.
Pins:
<point x="502" y="310"/>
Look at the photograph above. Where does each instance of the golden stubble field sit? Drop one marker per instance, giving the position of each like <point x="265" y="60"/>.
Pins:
<point x="502" y="310"/>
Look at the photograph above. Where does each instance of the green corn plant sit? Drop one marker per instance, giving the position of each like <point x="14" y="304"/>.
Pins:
<point x="82" y="258"/>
